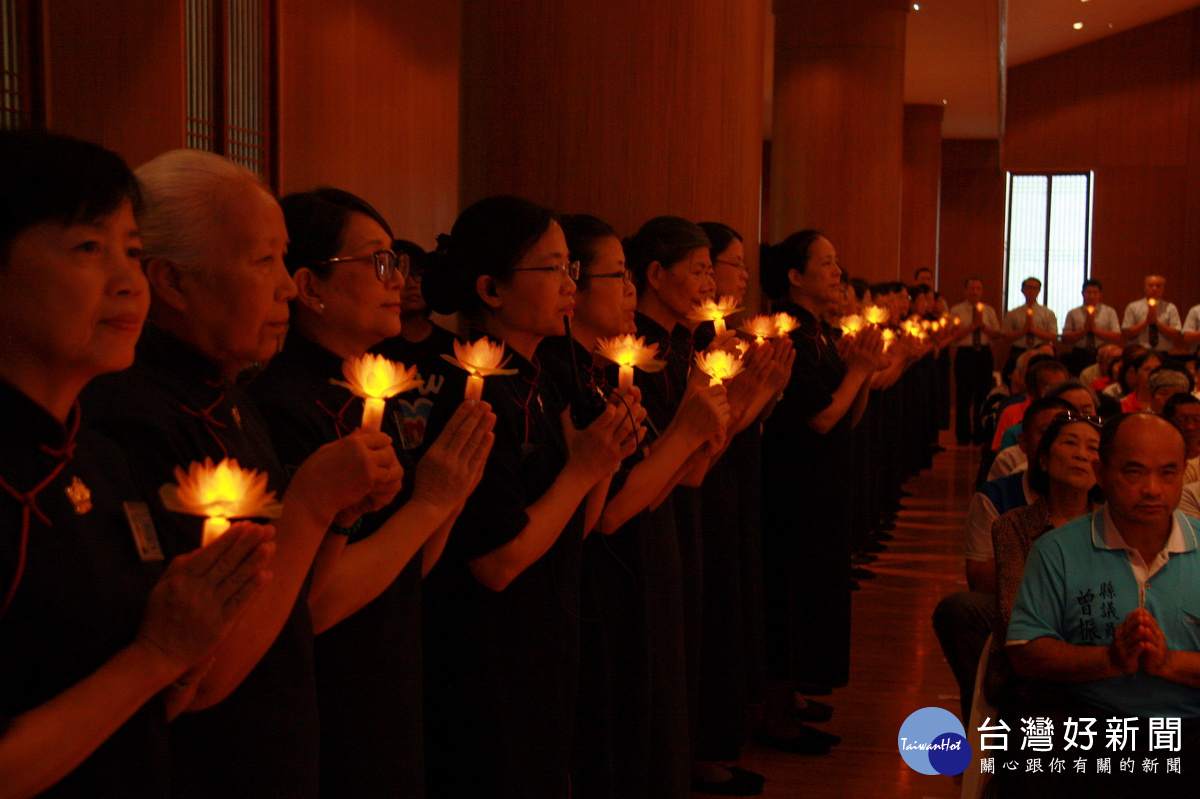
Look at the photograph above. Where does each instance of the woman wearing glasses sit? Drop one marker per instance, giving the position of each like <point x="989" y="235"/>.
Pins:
<point x="631" y="738"/>
<point x="365" y="596"/>
<point x="502" y="604"/>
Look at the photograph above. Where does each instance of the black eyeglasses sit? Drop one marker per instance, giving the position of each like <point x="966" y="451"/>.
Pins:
<point x="625" y="275"/>
<point x="387" y="263"/>
<point x="731" y="263"/>
<point x="571" y="270"/>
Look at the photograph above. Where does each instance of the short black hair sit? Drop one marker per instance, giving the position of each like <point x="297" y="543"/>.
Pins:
<point x="780" y="259"/>
<point x="1044" y="404"/>
<point x="665" y="239"/>
<point x="1091" y="281"/>
<point x="316" y="223"/>
<point x="49" y="177"/>
<point x="1171" y="406"/>
<point x="720" y="236"/>
<point x="582" y="231"/>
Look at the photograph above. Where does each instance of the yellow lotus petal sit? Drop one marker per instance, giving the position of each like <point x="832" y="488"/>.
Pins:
<point x="719" y="364"/>
<point x="627" y="350"/>
<point x="713" y="310"/>
<point x="852" y="324"/>
<point x="224" y="489"/>
<point x="375" y="377"/>
<point x="876" y="314"/>
<point x="785" y="323"/>
<point x="482" y="357"/>
<point x="760" y="326"/>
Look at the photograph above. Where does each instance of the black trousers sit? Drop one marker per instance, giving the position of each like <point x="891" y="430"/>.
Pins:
<point x="972" y="382"/>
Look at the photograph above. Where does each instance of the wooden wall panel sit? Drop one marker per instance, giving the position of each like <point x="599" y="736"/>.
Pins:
<point x="972" y="218"/>
<point x="922" y="188"/>
<point x="626" y="109"/>
<point x="838" y="130"/>
<point x="369" y="103"/>
<point x="116" y="78"/>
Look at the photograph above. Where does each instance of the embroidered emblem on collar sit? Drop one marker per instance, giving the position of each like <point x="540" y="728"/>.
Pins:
<point x="80" y="496"/>
<point x="237" y="417"/>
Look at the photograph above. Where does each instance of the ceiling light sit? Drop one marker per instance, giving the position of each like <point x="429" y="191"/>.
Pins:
<point x="1077" y="25"/>
<point x="916" y="6"/>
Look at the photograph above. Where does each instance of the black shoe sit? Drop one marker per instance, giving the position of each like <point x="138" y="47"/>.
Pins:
<point x="874" y="546"/>
<point x="883" y="535"/>
<point x="814" y="711"/>
<point x="886" y="527"/>
<point x="863" y="558"/>
<point x="859" y="573"/>
<point x="829" y="738"/>
<point x="806" y="743"/>
<point x="742" y="783"/>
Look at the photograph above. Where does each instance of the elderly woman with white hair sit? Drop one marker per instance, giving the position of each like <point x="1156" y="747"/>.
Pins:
<point x="214" y="240"/>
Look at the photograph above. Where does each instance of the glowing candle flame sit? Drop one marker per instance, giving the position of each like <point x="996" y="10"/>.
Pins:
<point x="716" y="311"/>
<point x="220" y="493"/>
<point x="889" y="338"/>
<point x="479" y="359"/>
<point x="743" y="347"/>
<point x="762" y="327"/>
<point x="1029" y="312"/>
<point x="851" y="324"/>
<point x="785" y="323"/>
<point x="1091" y="309"/>
<point x="628" y="352"/>
<point x="376" y="379"/>
<point x="1152" y="302"/>
<point x="876" y="314"/>
<point x="718" y="365"/>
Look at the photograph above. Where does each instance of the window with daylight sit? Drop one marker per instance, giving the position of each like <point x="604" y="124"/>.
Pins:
<point x="1048" y="234"/>
<point x="20" y="65"/>
<point x="231" y="81"/>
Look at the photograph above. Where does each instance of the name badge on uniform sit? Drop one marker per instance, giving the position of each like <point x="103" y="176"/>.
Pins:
<point x="144" y="535"/>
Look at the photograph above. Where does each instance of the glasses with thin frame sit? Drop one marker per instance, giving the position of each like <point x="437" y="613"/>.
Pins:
<point x="387" y="264"/>
<point x="571" y="270"/>
<point x="730" y="263"/>
<point x="626" y="275"/>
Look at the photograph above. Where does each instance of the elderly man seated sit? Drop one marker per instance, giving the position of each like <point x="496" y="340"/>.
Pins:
<point x="1106" y="617"/>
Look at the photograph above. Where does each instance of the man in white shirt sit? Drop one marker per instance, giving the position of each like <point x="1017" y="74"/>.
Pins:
<point x="977" y="326"/>
<point x="1028" y="325"/>
<point x="1191" y="330"/>
<point x="1089" y="327"/>
<point x="1152" y="321"/>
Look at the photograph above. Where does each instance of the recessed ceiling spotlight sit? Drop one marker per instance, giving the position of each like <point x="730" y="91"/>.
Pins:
<point x="1077" y="25"/>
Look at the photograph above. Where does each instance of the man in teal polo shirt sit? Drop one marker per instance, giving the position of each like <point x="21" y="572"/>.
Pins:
<point x="1109" y="605"/>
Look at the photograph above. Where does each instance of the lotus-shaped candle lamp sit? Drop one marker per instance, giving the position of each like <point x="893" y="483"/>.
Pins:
<point x="785" y="323"/>
<point x="719" y="365"/>
<point x="889" y="338"/>
<point x="852" y="324"/>
<point x="628" y="352"/>
<point x="762" y="327"/>
<point x="376" y="379"/>
<point x="479" y="359"/>
<point x="876" y="314"/>
<point x="219" y="493"/>
<point x="716" y="311"/>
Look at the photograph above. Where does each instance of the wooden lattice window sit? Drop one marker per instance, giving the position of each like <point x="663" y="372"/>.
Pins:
<point x="20" y="65"/>
<point x="231" y="81"/>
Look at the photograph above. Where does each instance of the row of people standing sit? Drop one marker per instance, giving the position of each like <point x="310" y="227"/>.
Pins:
<point x="414" y="620"/>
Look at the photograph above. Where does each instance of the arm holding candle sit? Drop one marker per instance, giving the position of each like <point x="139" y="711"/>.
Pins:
<point x="336" y="476"/>
<point x="195" y="604"/>
<point x="863" y="358"/>
<point x="444" y="477"/>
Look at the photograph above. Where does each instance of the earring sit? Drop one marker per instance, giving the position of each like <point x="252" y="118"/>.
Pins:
<point x="321" y="305"/>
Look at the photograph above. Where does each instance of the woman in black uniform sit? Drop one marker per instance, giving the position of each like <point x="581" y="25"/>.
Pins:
<point x="98" y="643"/>
<point x="214" y="241"/>
<point x="367" y="609"/>
<point x="631" y="738"/>
<point x="806" y="536"/>
<point x="502" y="604"/>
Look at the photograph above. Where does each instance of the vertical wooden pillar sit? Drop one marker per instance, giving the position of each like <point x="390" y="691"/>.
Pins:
<point x="920" y="212"/>
<point x="626" y="109"/>
<point x="838" y="128"/>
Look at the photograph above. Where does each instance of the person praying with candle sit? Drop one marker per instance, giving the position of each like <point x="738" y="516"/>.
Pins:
<point x="976" y="326"/>
<point x="502" y="604"/>
<point x="1152" y="321"/>
<point x="1090" y="327"/>
<point x="806" y="525"/>
<point x="101" y="639"/>
<point x="366" y="593"/>
<point x="214" y="240"/>
<point x="1028" y="324"/>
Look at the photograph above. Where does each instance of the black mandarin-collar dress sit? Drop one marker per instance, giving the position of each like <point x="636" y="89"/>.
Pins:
<point x="501" y="667"/>
<point x="368" y="665"/>
<point x="170" y="408"/>
<point x="806" y="537"/>
<point x="631" y="726"/>
<point x="661" y="394"/>
<point x="82" y="593"/>
<point x="416" y="405"/>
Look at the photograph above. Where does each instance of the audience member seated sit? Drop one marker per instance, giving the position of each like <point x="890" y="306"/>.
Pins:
<point x="1103" y="617"/>
<point x="1039" y="375"/>
<point x="1183" y="411"/>
<point x="1012" y="458"/>
<point x="963" y="619"/>
<point x="1097" y="376"/>
<point x="1165" y="382"/>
